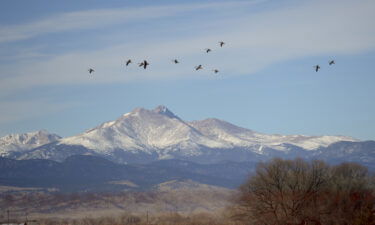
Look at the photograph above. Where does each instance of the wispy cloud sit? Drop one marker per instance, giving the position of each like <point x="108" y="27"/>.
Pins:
<point x="16" y="53"/>
<point x="253" y="42"/>
<point x="102" y="17"/>
<point x="14" y="111"/>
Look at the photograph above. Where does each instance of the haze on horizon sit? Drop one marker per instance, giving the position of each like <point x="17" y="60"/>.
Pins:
<point x="266" y="82"/>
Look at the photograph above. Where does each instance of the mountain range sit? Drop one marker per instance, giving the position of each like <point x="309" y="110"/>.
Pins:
<point x="143" y="148"/>
<point x="143" y="136"/>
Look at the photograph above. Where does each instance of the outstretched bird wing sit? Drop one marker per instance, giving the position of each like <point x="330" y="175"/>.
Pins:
<point x="145" y="64"/>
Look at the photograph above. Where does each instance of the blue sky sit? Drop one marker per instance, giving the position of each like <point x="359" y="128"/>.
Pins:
<point x="266" y="81"/>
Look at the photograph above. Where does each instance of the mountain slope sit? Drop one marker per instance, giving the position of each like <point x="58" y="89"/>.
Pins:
<point x="238" y="136"/>
<point x="95" y="173"/>
<point x="360" y="152"/>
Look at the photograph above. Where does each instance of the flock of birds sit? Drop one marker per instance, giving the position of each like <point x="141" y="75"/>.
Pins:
<point x="317" y="67"/>
<point x="144" y="63"/>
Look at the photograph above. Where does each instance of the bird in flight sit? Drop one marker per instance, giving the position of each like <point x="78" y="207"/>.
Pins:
<point x="176" y="61"/>
<point x="221" y="43"/>
<point x="128" y="62"/>
<point x="317" y="67"/>
<point x="208" y="50"/>
<point x="91" y="70"/>
<point x="198" y="67"/>
<point x="144" y="64"/>
<point x="215" y="70"/>
<point x="331" y="62"/>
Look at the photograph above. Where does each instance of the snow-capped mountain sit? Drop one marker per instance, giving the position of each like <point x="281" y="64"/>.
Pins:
<point x="147" y="135"/>
<point x="18" y="143"/>
<point x="148" y="131"/>
<point x="159" y="130"/>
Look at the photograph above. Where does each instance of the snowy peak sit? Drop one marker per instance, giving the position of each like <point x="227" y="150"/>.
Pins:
<point x="225" y="132"/>
<point x="159" y="110"/>
<point x="32" y="138"/>
<point x="138" y="113"/>
<point x="21" y="142"/>
<point x="163" y="110"/>
<point x="212" y="125"/>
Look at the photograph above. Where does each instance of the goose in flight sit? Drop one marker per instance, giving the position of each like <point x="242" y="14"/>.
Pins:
<point x="208" y="50"/>
<point x="221" y="43"/>
<point x="331" y="62"/>
<point x="91" y="70"/>
<point x="128" y="62"/>
<point x="144" y="64"/>
<point x="198" y="67"/>
<point x="317" y="67"/>
<point x="215" y="70"/>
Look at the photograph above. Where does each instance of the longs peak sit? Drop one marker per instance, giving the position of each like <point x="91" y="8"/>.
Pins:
<point x="160" y="134"/>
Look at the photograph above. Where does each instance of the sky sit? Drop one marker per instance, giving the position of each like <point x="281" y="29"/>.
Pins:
<point x="266" y="82"/>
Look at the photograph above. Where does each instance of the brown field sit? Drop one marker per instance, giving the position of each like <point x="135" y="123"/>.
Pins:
<point x="170" y="203"/>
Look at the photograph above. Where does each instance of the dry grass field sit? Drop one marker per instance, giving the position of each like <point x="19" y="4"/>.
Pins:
<point x="181" y="202"/>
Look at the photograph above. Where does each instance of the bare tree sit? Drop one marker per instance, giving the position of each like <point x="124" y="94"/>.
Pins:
<point x="351" y="197"/>
<point x="297" y="192"/>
